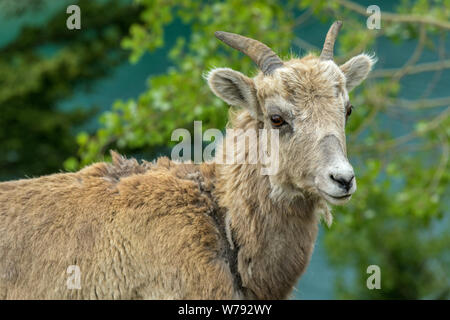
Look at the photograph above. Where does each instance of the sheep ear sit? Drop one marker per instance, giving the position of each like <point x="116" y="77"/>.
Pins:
<point x="235" y="89"/>
<point x="357" y="69"/>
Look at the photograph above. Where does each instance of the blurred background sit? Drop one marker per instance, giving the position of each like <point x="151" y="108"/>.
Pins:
<point x="133" y="74"/>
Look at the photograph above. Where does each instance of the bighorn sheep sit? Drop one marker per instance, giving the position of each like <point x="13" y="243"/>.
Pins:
<point x="171" y="230"/>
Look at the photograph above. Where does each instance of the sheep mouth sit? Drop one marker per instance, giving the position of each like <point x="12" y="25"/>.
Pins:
<point x="341" y="197"/>
<point x="336" y="199"/>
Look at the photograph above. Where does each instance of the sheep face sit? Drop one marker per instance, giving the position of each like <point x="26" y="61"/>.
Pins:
<point x="307" y="101"/>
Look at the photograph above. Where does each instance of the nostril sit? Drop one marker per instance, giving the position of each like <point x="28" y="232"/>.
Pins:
<point x="343" y="182"/>
<point x="350" y="181"/>
<point x="338" y="179"/>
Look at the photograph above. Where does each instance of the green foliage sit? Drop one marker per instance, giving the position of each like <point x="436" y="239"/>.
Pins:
<point x="396" y="219"/>
<point x="395" y="227"/>
<point x="42" y="67"/>
<point x="145" y="124"/>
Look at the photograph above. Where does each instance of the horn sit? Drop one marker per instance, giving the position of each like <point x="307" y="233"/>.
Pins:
<point x="262" y="55"/>
<point x="328" y="46"/>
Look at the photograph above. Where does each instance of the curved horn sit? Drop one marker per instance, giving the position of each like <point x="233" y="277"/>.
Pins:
<point x="262" y="55"/>
<point x="328" y="46"/>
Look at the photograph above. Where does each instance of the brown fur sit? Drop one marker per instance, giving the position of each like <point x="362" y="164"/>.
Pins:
<point x="135" y="231"/>
<point x="150" y="230"/>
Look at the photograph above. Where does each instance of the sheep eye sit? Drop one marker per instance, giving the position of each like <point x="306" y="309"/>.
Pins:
<point x="349" y="111"/>
<point x="277" y="120"/>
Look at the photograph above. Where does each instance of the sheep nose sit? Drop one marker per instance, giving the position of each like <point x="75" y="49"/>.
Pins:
<point x="344" y="181"/>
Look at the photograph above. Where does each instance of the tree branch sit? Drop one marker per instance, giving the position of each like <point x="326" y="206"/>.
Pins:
<point x="303" y="17"/>
<point x="442" y="163"/>
<point x="420" y="104"/>
<point x="437" y="74"/>
<point x="414" y="57"/>
<point x="418" y="68"/>
<point x="395" y="142"/>
<point x="393" y="17"/>
<point x="304" y="44"/>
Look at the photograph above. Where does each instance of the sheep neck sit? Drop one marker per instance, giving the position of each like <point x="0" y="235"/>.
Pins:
<point x="275" y="236"/>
